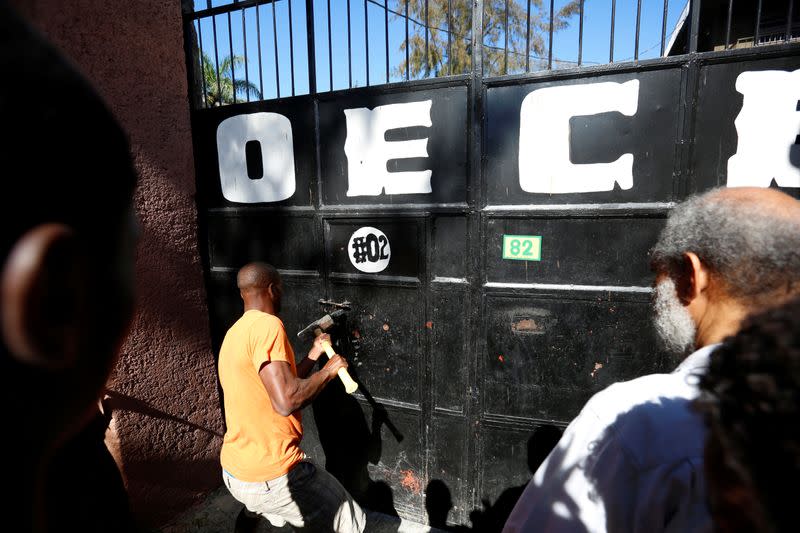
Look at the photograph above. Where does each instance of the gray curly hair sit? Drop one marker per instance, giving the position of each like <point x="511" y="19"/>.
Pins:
<point x="753" y="249"/>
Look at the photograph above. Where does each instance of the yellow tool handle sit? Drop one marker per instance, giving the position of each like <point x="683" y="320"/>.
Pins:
<point x="350" y="386"/>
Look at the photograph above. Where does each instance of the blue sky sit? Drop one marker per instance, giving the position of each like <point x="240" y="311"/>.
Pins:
<point x="597" y="30"/>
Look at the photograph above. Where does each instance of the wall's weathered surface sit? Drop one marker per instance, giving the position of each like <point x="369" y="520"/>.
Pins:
<point x="166" y="407"/>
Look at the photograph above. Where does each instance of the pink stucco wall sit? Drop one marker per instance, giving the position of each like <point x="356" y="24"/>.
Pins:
<point x="167" y="422"/>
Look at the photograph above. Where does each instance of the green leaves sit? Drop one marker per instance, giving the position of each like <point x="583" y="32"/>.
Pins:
<point x="498" y="24"/>
<point x="221" y="91"/>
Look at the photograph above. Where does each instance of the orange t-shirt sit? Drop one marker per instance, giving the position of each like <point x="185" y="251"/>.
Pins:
<point x="259" y="443"/>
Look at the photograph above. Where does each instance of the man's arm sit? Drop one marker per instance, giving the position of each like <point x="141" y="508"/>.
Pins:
<point x="287" y="392"/>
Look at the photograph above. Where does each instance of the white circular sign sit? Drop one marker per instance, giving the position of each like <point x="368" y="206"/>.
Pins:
<point x="369" y="250"/>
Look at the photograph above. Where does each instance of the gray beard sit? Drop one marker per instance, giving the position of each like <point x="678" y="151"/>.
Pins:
<point x="674" y="325"/>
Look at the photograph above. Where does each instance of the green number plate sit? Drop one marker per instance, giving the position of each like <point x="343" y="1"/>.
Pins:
<point x="522" y="247"/>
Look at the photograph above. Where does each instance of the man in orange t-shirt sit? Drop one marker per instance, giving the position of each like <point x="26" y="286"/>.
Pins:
<point x="263" y="465"/>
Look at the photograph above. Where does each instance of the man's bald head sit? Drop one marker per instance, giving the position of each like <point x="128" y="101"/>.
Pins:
<point x="748" y="238"/>
<point x="257" y="275"/>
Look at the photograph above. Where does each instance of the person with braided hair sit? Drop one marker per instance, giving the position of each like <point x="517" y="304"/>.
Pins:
<point x="751" y="403"/>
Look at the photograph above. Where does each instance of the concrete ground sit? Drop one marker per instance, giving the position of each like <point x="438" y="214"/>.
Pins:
<point x="218" y="515"/>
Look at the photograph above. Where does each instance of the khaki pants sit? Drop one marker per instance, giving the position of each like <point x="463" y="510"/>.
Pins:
<point x="308" y="498"/>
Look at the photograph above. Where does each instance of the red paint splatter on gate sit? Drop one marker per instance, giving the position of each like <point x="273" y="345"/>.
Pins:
<point x="410" y="481"/>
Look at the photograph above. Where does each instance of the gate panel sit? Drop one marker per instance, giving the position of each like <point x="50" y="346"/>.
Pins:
<point x="769" y="153"/>
<point x="587" y="251"/>
<point x="252" y="144"/>
<point x="567" y="130"/>
<point x="546" y="354"/>
<point x="440" y="124"/>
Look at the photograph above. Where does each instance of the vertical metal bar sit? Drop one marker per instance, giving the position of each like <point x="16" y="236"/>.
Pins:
<point x="386" y="34"/>
<point x="638" y="26"/>
<point x="728" y="26"/>
<point x="311" y="45"/>
<point x="757" y="29"/>
<point x="550" y="50"/>
<point x="232" y="57"/>
<point x="202" y="62"/>
<point x="408" y="64"/>
<point x="449" y="37"/>
<point x="350" y="50"/>
<point x="246" y="63"/>
<point x="275" y="44"/>
<point x="580" y="36"/>
<point x="664" y="28"/>
<point x="474" y="238"/>
<point x="613" y="21"/>
<point x="366" y="37"/>
<point x="528" y="40"/>
<point x="330" y="49"/>
<point x="258" y="37"/>
<point x="216" y="58"/>
<point x="694" y="29"/>
<point x="427" y="59"/>
<point x="789" y="21"/>
<point x="291" y="44"/>
<point x="505" y="41"/>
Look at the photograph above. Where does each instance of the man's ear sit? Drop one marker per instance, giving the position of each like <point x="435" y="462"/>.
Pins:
<point x="44" y="295"/>
<point x="693" y="278"/>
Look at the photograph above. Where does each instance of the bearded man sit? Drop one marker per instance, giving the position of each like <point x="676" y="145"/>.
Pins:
<point x="633" y="458"/>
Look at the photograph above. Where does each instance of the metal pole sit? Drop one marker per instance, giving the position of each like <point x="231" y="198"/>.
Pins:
<point x="694" y="29"/>
<point x="505" y="44"/>
<point x="311" y="45"/>
<point x="550" y="50"/>
<point x="664" y="27"/>
<point x="758" y="24"/>
<point x="349" y="50"/>
<point x="427" y="58"/>
<point x="202" y="62"/>
<point x="291" y="44"/>
<point x="613" y="21"/>
<point x="449" y="36"/>
<point x="246" y="63"/>
<point x="638" y="26"/>
<point x="728" y="27"/>
<point x="330" y="49"/>
<point x="408" y="64"/>
<point x="528" y="39"/>
<point x="216" y="58"/>
<point x="232" y="57"/>
<point x="258" y="37"/>
<point x="275" y="44"/>
<point x="386" y="34"/>
<point x="580" y="36"/>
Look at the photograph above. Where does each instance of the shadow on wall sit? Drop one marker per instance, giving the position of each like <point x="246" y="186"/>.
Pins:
<point x="115" y="401"/>
<point x="492" y="517"/>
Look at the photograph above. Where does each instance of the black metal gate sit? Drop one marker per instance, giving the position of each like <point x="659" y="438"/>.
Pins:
<point x="492" y="234"/>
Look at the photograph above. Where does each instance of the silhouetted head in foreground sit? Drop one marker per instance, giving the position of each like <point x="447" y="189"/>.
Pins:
<point x="721" y="256"/>
<point x="751" y="402"/>
<point x="67" y="244"/>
